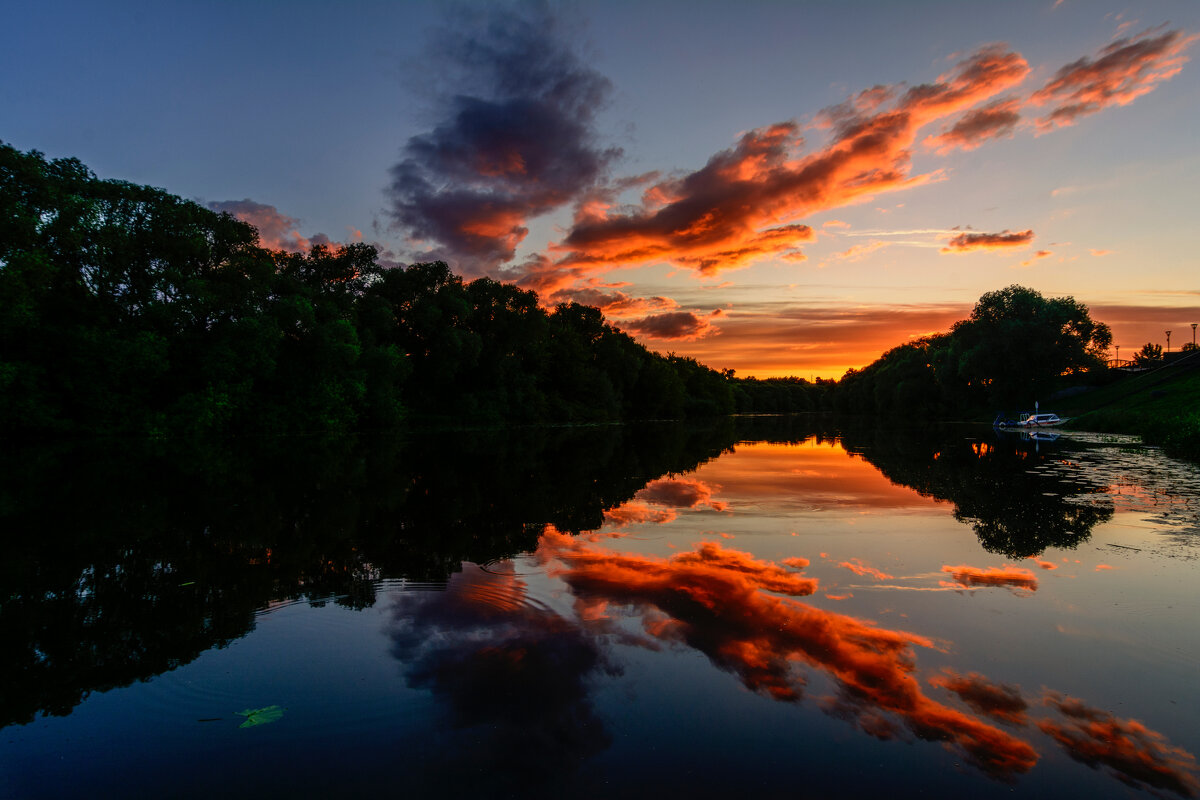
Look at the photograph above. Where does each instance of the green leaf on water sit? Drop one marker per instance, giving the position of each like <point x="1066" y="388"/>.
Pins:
<point x="260" y="716"/>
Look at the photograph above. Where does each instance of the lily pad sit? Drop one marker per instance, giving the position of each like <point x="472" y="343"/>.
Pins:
<point x="260" y="716"/>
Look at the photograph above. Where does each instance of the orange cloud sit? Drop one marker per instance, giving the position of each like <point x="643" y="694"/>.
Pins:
<point x="729" y="213"/>
<point x="276" y="231"/>
<point x="1043" y="564"/>
<point x="858" y="568"/>
<point x="680" y="493"/>
<point x="635" y="512"/>
<point x="977" y="126"/>
<point x="1040" y="254"/>
<point x="967" y="242"/>
<point x="857" y="252"/>
<point x="1120" y="73"/>
<point x="1099" y="253"/>
<point x="1127" y="749"/>
<point x="678" y="325"/>
<point x="1011" y="577"/>
<point x="724" y="603"/>
<point x="614" y="304"/>
<point x="996" y="700"/>
<point x="1102" y="567"/>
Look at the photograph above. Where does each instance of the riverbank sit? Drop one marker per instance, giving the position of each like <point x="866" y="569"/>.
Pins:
<point x="1162" y="406"/>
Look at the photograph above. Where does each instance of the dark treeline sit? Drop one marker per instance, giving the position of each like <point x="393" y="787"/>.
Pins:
<point x="167" y="548"/>
<point x="1017" y="347"/>
<point x="130" y="310"/>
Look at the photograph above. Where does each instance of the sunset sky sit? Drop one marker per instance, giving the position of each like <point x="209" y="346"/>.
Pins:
<point x="773" y="187"/>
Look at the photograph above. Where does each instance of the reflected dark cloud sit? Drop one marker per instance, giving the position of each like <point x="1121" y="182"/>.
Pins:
<point x="513" y="672"/>
<point x="997" y="700"/>
<point x="1125" y="748"/>
<point x="725" y="604"/>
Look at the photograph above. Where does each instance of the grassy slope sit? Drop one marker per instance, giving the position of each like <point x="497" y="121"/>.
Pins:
<point x="1163" y="406"/>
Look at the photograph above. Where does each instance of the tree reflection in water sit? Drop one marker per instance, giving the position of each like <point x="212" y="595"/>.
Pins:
<point x="123" y="562"/>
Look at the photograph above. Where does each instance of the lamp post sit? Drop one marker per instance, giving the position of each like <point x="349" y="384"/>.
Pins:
<point x="1193" y="334"/>
<point x="1168" y="341"/>
<point x="1118" y="355"/>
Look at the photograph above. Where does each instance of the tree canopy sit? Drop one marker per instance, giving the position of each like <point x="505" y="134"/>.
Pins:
<point x="1015" y="348"/>
<point x="129" y="310"/>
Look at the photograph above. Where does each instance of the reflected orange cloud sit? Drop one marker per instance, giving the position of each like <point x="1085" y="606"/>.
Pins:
<point x="1009" y="577"/>
<point x="680" y="493"/>
<point x="636" y="512"/>
<point x="1127" y="749"/>
<point x="1043" y="564"/>
<point x="1121" y="72"/>
<point x="724" y="603"/>
<point x="1102" y="567"/>
<point x="997" y="700"/>
<point x="968" y="242"/>
<point x="858" y="568"/>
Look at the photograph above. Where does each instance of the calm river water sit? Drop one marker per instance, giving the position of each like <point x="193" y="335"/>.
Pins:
<point x="789" y="607"/>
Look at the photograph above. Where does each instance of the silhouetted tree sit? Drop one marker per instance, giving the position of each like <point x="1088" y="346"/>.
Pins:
<point x="1149" y="354"/>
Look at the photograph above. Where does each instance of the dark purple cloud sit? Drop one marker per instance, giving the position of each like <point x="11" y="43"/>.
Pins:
<point x="670" y="325"/>
<point x="515" y="141"/>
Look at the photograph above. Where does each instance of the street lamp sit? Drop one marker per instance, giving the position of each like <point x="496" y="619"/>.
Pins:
<point x="1168" y="341"/>
<point x="1193" y="334"/>
<point x="1118" y="355"/>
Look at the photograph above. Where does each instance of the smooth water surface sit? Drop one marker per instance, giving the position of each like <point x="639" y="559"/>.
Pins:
<point x="800" y="608"/>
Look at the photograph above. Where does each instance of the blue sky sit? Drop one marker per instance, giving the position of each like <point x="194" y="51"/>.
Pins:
<point x="305" y="108"/>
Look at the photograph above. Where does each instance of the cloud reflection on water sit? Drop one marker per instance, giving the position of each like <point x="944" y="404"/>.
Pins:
<point x="513" y="672"/>
<point x="716" y="601"/>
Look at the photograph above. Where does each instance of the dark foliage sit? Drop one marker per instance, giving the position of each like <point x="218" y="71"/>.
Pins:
<point x="128" y="310"/>
<point x="1016" y="347"/>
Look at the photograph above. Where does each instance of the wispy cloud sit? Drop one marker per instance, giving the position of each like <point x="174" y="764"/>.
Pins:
<point x="1117" y="75"/>
<point x="968" y="242"/>
<point x="1125" y="748"/>
<point x="979" y="125"/>
<point x="276" y="230"/>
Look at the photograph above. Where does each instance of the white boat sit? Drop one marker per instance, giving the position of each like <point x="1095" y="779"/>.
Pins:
<point x="1034" y="421"/>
